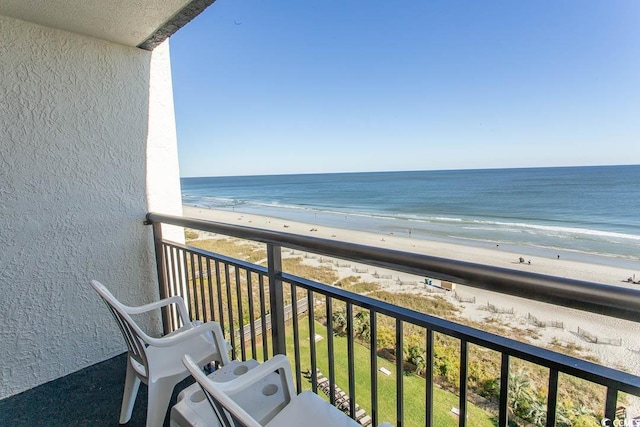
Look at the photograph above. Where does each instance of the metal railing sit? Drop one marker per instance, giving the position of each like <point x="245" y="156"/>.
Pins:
<point x="250" y="302"/>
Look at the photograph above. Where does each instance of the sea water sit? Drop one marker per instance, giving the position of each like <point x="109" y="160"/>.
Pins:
<point x="584" y="213"/>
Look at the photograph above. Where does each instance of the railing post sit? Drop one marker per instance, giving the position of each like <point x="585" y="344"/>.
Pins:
<point x="276" y="298"/>
<point x="503" y="408"/>
<point x="611" y="404"/>
<point x="162" y="282"/>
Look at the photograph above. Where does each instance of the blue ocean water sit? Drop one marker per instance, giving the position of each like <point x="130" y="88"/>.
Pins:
<point x="586" y="213"/>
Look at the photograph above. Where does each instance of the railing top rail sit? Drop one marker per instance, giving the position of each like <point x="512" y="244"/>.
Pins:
<point x="614" y="301"/>
<point x="568" y="364"/>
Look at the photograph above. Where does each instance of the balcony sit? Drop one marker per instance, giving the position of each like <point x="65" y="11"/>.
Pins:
<point x="372" y="359"/>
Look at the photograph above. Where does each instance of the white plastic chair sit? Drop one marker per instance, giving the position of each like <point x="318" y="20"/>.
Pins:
<point x="158" y="361"/>
<point x="306" y="409"/>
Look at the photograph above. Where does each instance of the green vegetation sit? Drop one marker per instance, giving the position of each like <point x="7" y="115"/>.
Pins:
<point x="414" y="386"/>
<point x="190" y="235"/>
<point x="322" y="274"/>
<point x="356" y="285"/>
<point x="527" y="382"/>
<point x="436" y="306"/>
<point x="348" y="281"/>
<point x="247" y="251"/>
<point x="363" y="288"/>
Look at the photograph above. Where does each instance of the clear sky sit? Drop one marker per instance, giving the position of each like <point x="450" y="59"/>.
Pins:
<point x="294" y="86"/>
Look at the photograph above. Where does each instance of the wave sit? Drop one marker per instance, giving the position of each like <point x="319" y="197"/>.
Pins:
<point x="568" y="230"/>
<point x="470" y="207"/>
<point x="466" y="223"/>
<point x="548" y="230"/>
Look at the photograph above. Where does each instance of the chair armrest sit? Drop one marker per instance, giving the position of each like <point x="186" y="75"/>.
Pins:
<point x="278" y="362"/>
<point x="177" y="300"/>
<point x="175" y="339"/>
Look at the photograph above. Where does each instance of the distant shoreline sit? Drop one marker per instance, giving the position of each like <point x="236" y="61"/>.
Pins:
<point x="533" y="212"/>
<point x="494" y="255"/>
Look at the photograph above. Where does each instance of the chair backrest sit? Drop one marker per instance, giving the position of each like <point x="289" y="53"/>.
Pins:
<point x="130" y="330"/>
<point x="228" y="412"/>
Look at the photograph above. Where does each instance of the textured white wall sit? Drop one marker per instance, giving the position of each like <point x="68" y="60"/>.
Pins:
<point x="163" y="174"/>
<point x="74" y="116"/>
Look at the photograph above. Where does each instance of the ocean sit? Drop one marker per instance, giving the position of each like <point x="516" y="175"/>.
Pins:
<point x="588" y="214"/>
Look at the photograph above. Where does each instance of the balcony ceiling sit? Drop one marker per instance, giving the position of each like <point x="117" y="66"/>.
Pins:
<point x="142" y="23"/>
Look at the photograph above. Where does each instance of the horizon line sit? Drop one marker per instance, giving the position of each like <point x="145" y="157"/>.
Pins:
<point x="409" y="170"/>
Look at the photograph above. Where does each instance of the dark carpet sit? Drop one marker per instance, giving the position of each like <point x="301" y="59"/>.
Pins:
<point x="89" y="398"/>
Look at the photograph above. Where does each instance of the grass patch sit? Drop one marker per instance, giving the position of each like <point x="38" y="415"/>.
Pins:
<point x="244" y="250"/>
<point x="363" y="287"/>
<point x="435" y="306"/>
<point x="414" y="386"/>
<point x="347" y="281"/>
<point x="297" y="267"/>
<point x="190" y="235"/>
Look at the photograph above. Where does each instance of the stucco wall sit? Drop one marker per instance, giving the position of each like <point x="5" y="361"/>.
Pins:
<point x="74" y="117"/>
<point x="163" y="175"/>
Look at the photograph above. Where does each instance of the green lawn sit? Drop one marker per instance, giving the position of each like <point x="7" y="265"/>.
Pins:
<point x="414" y="386"/>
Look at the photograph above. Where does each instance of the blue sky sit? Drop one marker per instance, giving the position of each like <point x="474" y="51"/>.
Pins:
<point x="275" y="87"/>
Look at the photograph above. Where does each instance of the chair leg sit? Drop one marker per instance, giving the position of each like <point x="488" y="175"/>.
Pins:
<point x="159" y="397"/>
<point x="131" y="385"/>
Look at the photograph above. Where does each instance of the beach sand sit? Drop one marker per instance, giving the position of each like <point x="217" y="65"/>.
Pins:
<point x="625" y="356"/>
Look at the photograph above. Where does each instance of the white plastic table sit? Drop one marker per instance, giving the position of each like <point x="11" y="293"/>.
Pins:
<point x="193" y="409"/>
<point x="310" y="410"/>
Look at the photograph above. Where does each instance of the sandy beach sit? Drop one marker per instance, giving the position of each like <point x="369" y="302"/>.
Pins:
<point x="491" y="255"/>
<point x="624" y="353"/>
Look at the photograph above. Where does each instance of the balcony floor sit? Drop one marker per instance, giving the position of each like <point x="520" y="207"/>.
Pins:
<point x="90" y="397"/>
